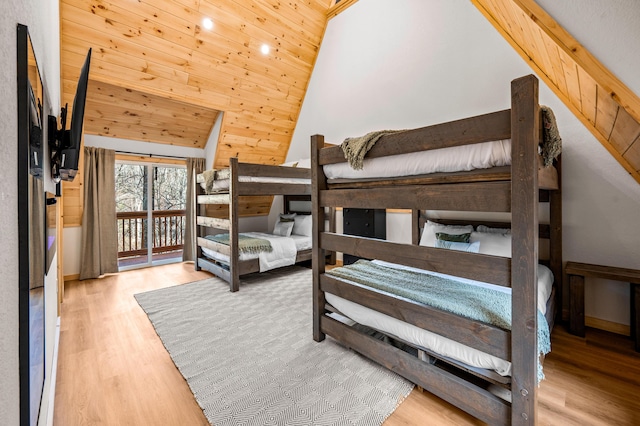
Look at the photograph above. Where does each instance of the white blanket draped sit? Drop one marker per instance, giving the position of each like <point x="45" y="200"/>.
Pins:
<point x="283" y="254"/>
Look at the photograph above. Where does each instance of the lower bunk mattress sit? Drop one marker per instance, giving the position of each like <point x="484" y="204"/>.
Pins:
<point x="283" y="253"/>
<point x="433" y="342"/>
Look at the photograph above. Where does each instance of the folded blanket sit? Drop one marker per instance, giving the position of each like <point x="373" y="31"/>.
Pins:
<point x="246" y="244"/>
<point x="356" y="148"/>
<point x="552" y="142"/>
<point x="473" y="302"/>
<point x="210" y="176"/>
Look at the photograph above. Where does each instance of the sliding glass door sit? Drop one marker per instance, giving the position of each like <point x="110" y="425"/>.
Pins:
<point x="150" y="209"/>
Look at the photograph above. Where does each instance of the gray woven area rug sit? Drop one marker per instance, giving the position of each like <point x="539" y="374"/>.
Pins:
<point x="250" y="359"/>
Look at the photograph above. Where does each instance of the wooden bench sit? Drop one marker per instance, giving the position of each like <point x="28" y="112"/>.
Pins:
<point x="576" y="272"/>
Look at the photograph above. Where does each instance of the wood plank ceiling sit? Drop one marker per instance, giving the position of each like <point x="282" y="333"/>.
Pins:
<point x="158" y="75"/>
<point x="158" y="55"/>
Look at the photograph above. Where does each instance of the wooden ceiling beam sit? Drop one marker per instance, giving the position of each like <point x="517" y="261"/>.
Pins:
<point x="604" y="105"/>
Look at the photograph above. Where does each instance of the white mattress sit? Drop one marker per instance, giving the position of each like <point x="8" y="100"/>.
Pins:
<point x="223" y="184"/>
<point x="432" y="341"/>
<point x="459" y="158"/>
<point x="302" y="242"/>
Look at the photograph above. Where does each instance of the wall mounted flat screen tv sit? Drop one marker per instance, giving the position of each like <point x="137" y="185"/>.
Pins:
<point x="65" y="144"/>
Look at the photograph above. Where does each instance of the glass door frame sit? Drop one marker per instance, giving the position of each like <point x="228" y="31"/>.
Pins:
<point x="150" y="165"/>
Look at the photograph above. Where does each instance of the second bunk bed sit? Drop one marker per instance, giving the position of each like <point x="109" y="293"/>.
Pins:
<point x="358" y="303"/>
<point x="229" y="254"/>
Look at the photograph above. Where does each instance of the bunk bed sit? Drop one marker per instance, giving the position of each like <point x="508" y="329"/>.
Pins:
<point x="224" y="258"/>
<point x="516" y="188"/>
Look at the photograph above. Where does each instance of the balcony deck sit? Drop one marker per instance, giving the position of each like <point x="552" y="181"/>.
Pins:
<point x="167" y="239"/>
<point x="127" y="262"/>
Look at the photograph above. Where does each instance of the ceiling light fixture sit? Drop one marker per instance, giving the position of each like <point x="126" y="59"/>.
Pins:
<point x="207" y="23"/>
<point x="265" y="49"/>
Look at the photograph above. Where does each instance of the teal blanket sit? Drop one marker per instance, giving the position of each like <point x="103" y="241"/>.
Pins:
<point x="473" y="302"/>
<point x="246" y="244"/>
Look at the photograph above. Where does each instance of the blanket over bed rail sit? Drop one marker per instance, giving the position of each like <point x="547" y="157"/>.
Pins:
<point x="356" y="148"/>
<point x="473" y="302"/>
<point x="212" y="175"/>
<point x="552" y="142"/>
<point x="246" y="244"/>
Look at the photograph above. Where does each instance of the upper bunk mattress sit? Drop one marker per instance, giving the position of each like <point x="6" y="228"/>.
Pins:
<point x="221" y="177"/>
<point x="223" y="184"/>
<point x="455" y="159"/>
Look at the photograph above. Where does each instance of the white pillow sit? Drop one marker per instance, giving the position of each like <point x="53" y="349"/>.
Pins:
<point x="283" y="229"/>
<point x="428" y="238"/>
<point x="304" y="163"/>
<point x="302" y="225"/>
<point x="492" y="243"/>
<point x="482" y="228"/>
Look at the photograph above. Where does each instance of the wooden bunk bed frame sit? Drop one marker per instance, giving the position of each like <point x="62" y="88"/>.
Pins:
<point x="238" y="189"/>
<point x="517" y="189"/>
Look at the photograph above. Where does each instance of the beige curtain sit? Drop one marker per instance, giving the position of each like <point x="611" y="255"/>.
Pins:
<point x="99" y="246"/>
<point x="194" y="166"/>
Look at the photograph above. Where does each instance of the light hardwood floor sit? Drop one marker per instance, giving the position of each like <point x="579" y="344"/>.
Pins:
<point x="113" y="369"/>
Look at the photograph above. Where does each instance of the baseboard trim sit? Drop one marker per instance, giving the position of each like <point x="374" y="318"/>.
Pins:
<point x="605" y="325"/>
<point x="72" y="277"/>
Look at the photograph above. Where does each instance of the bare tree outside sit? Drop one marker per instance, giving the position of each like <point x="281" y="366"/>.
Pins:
<point x="168" y="192"/>
<point x="131" y="187"/>
<point x="170" y="188"/>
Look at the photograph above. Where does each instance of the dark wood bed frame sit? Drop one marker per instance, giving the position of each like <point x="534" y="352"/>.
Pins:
<point x="517" y="189"/>
<point x="292" y="191"/>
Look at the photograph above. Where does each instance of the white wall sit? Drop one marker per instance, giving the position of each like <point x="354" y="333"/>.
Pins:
<point x="413" y="63"/>
<point x="212" y="142"/>
<point x="41" y="16"/>
<point x="141" y="147"/>
<point x="608" y="198"/>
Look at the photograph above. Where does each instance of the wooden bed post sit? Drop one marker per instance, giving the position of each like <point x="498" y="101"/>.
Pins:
<point x="318" y="183"/>
<point x="525" y="116"/>
<point x="200" y="210"/>
<point x="415" y="227"/>
<point x="555" y="245"/>
<point x="234" y="279"/>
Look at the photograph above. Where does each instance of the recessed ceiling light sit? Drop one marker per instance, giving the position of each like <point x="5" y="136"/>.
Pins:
<point x="207" y="23"/>
<point x="265" y="49"/>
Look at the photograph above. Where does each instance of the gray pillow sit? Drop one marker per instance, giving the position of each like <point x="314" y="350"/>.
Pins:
<point x="287" y="217"/>
<point x="283" y="229"/>
<point x="454" y="238"/>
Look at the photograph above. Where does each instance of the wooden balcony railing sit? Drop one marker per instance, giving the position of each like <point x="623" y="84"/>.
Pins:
<point x="168" y="232"/>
